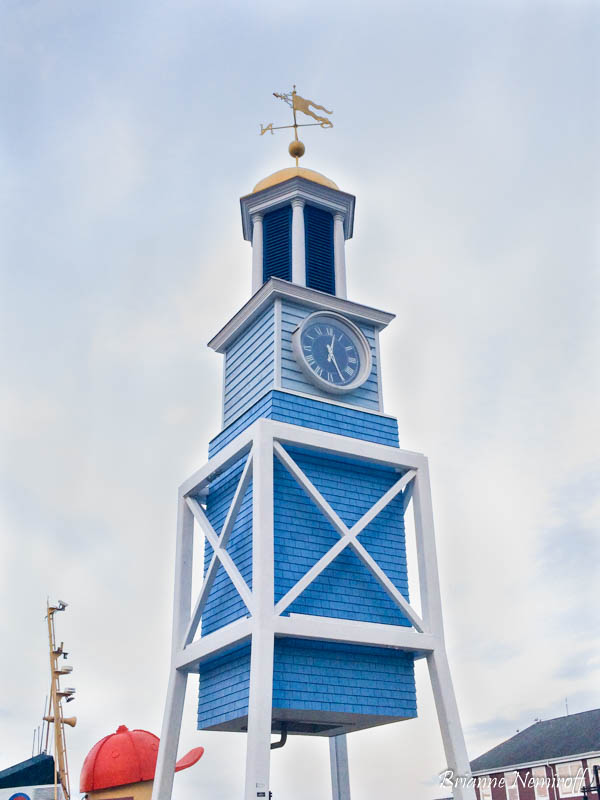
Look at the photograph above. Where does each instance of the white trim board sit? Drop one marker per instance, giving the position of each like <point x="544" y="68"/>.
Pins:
<point x="275" y="287"/>
<point x="281" y="194"/>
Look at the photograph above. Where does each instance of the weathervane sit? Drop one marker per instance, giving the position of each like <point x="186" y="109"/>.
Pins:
<point x="297" y="103"/>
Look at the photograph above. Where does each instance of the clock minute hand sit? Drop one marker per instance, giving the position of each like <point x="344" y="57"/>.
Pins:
<point x="331" y="357"/>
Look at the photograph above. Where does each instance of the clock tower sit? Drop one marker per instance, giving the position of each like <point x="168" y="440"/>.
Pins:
<point x="303" y="624"/>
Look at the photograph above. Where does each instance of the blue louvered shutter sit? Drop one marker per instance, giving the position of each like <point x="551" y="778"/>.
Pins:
<point x="277" y="244"/>
<point x="318" y="231"/>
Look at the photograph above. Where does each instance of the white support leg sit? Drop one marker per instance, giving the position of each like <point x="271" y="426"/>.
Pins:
<point x="340" y="774"/>
<point x="258" y="752"/>
<point x="169" y="736"/>
<point x="171" y="727"/>
<point x="437" y="660"/>
<point x="450" y="727"/>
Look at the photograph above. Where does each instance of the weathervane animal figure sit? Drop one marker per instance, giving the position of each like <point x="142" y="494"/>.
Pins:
<point x="299" y="103"/>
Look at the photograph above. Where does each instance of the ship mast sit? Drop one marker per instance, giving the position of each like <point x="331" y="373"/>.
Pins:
<point x="55" y="716"/>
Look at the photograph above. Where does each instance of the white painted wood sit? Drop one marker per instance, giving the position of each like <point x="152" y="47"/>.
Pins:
<point x="334" y="443"/>
<point x="258" y="742"/>
<point x="298" y="244"/>
<point x="344" y="532"/>
<point x="437" y="661"/>
<point x="213" y="567"/>
<point x="257" y="252"/>
<point x="184" y="562"/>
<point x="278" y="335"/>
<point x="339" y="256"/>
<point x="388" y="586"/>
<point x="375" y="634"/>
<point x="275" y="287"/>
<point x="340" y="773"/>
<point x="222" y="554"/>
<point x="237" y="501"/>
<point x="431" y="604"/>
<point x="310" y="489"/>
<point x="209" y="579"/>
<point x="449" y="721"/>
<point x="169" y="740"/>
<point x="219" y="462"/>
<point x="379" y="371"/>
<point x="213" y="643"/>
<point x="169" y="737"/>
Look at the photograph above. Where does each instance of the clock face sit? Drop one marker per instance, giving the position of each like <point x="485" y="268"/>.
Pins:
<point x="332" y="352"/>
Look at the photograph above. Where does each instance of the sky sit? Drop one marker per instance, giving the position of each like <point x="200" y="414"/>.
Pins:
<point x="468" y="132"/>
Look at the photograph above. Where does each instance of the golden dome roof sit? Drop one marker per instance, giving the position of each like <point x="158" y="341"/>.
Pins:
<point x="294" y="172"/>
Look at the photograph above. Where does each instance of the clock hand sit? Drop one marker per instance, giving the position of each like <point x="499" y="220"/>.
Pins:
<point x="331" y="357"/>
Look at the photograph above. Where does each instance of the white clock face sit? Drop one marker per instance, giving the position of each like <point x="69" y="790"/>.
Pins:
<point x="332" y="352"/>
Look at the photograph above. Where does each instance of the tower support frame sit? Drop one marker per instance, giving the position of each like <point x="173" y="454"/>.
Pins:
<point x="261" y="441"/>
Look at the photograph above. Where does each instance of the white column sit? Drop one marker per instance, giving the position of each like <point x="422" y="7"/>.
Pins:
<point x="340" y="775"/>
<point x="298" y="248"/>
<point x="339" y="255"/>
<point x="258" y="740"/>
<point x="171" y="727"/>
<point x="437" y="661"/>
<point x="257" y="252"/>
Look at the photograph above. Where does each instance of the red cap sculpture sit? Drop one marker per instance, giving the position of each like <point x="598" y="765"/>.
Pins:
<point x="126" y="757"/>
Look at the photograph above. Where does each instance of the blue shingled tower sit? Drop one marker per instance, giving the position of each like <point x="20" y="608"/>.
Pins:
<point x="304" y="614"/>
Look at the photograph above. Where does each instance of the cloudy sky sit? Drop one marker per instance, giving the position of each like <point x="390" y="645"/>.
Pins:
<point x="468" y="132"/>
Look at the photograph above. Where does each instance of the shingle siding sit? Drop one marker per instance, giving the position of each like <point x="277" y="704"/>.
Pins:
<point x="316" y="414"/>
<point x="346" y="589"/>
<point x="249" y="366"/>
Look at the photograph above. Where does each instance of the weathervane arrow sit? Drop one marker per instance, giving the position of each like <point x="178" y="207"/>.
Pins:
<point x="298" y="103"/>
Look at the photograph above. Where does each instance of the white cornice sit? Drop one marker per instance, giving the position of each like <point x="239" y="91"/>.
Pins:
<point x="283" y="193"/>
<point x="274" y="288"/>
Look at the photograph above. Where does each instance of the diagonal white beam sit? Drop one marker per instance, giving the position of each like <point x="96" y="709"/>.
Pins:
<point x="310" y="489"/>
<point x="223" y="556"/>
<point x="347" y="536"/>
<point x="210" y="645"/>
<point x="388" y="586"/>
<point x="408" y="495"/>
<point x="344" y="532"/>
<point x="211" y="572"/>
<point x="209" y="578"/>
<point x="237" y="501"/>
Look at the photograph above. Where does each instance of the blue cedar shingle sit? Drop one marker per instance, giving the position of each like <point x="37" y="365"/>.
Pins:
<point x="316" y="414"/>
<point x="224" y="688"/>
<point x="345" y="589"/>
<point x="367" y="680"/>
<point x="249" y="366"/>
<point x="315" y="676"/>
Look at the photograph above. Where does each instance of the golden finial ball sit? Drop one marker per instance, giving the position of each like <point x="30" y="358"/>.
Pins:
<point x="296" y="149"/>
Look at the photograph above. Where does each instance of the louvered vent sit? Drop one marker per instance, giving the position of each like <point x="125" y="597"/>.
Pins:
<point x="318" y="227"/>
<point x="277" y="244"/>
